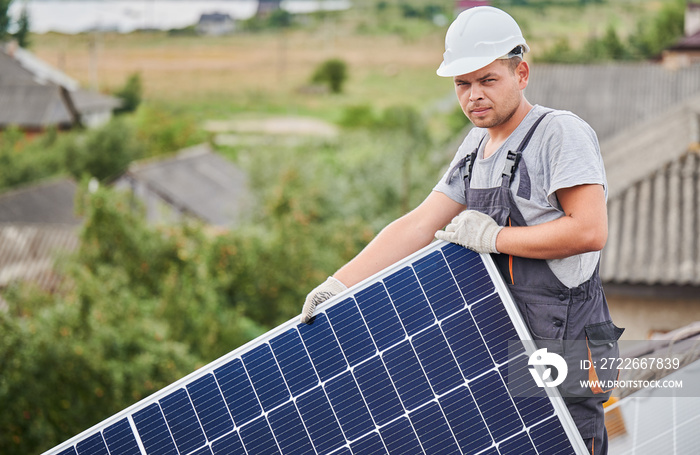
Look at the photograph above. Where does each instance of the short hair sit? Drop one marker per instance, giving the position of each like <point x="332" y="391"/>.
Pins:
<point x="513" y="63"/>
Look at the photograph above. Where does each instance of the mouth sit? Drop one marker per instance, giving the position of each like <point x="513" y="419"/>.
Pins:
<point x="479" y="111"/>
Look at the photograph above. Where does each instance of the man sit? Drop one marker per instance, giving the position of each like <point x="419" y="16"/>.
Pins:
<point x="533" y="185"/>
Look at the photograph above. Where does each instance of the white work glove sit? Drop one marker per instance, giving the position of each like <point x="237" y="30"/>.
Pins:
<point x="320" y="294"/>
<point x="474" y="230"/>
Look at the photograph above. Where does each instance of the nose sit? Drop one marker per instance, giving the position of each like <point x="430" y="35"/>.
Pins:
<point x="475" y="93"/>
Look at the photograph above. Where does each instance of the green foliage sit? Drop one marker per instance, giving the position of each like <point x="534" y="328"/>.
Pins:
<point x="142" y="307"/>
<point x="4" y="19"/>
<point x="130" y="94"/>
<point x="162" y="131"/>
<point x="23" y="159"/>
<point x="651" y="36"/>
<point x="23" y="26"/>
<point x="280" y="18"/>
<point x="333" y="72"/>
<point x="104" y="152"/>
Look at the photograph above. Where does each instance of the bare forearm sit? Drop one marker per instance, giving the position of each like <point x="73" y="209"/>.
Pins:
<point x="392" y="244"/>
<point x="556" y="239"/>
<point x="401" y="238"/>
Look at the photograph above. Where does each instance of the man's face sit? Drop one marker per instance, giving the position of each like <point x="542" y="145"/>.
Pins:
<point x="489" y="96"/>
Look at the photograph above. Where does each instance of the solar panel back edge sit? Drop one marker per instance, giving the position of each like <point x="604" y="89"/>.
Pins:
<point x="445" y="303"/>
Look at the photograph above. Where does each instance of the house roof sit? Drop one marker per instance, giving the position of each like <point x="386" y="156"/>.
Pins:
<point x="49" y="202"/>
<point x="34" y="95"/>
<point x="653" y="237"/>
<point x="197" y="181"/>
<point x="28" y="252"/>
<point x="688" y="43"/>
<point x="612" y="97"/>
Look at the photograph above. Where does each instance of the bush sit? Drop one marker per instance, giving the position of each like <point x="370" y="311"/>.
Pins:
<point x="130" y="94"/>
<point x="333" y="72"/>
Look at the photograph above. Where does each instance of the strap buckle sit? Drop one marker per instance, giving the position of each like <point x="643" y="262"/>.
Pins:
<point x="512" y="160"/>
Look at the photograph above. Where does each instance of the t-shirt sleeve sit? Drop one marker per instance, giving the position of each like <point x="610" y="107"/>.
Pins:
<point x="452" y="182"/>
<point x="572" y="155"/>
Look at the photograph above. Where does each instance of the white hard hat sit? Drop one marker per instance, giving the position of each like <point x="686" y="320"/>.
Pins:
<point x="477" y="37"/>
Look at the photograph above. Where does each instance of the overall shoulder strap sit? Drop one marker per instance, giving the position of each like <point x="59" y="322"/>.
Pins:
<point x="467" y="162"/>
<point x="513" y="160"/>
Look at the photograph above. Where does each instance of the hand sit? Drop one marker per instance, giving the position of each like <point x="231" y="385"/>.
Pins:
<point x="320" y="294"/>
<point x="474" y="230"/>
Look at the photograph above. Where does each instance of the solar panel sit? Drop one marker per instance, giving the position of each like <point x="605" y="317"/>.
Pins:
<point x="415" y="360"/>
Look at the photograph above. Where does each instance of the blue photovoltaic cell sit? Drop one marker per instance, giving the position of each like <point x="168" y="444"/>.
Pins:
<point x="371" y="443"/>
<point x="437" y="360"/>
<point x="466" y="421"/>
<point x="206" y="450"/>
<point x="495" y="326"/>
<point x="346" y="400"/>
<point x="380" y="316"/>
<point x="409" y="301"/>
<point x="399" y="438"/>
<point x="289" y="430"/>
<point x="406" y="374"/>
<point x="466" y="344"/>
<point x="351" y="331"/>
<point x="323" y="347"/>
<point x="496" y="406"/>
<point x="238" y="392"/>
<point x="153" y="431"/>
<point x="518" y="445"/>
<point x="433" y="431"/>
<point x="210" y="407"/>
<point x="378" y="391"/>
<point x="294" y="362"/>
<point x="266" y="377"/>
<point x="422" y="359"/>
<point x="228" y="445"/>
<point x="320" y="421"/>
<point x="439" y="285"/>
<point x="469" y="272"/>
<point x="93" y="445"/>
<point x="257" y="438"/>
<point x="182" y="421"/>
<point x="120" y="439"/>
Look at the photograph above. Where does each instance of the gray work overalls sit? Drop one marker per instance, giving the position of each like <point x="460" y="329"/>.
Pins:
<point x="553" y="312"/>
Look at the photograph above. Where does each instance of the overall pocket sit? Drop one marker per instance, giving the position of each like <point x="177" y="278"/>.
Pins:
<point x="603" y="355"/>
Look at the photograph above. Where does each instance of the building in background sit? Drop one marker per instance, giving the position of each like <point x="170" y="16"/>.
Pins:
<point x="215" y="24"/>
<point x="35" y="96"/>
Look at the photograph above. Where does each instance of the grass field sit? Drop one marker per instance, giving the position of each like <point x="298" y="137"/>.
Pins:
<point x="391" y="61"/>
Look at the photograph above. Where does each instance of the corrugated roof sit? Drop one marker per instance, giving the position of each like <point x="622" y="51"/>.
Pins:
<point x="197" y="181"/>
<point x="47" y="202"/>
<point x="28" y="252"/>
<point x="653" y="236"/>
<point x="612" y="97"/>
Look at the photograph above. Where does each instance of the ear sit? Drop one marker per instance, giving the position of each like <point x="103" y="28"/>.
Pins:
<point x="522" y="72"/>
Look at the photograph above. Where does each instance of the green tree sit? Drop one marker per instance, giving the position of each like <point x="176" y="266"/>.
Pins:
<point x="130" y="94"/>
<point x="333" y="72"/>
<point x="104" y="152"/>
<point x="5" y="20"/>
<point x="22" y="33"/>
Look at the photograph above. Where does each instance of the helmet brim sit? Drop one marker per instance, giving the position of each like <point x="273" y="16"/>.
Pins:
<point x="463" y="66"/>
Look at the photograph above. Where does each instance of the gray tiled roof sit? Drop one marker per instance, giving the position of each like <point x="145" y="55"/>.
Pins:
<point x="196" y="181"/>
<point x="47" y="202"/>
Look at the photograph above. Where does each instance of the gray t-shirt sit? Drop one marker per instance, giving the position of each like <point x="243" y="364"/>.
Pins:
<point x="562" y="153"/>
